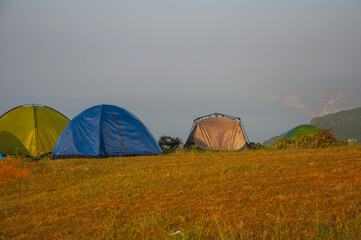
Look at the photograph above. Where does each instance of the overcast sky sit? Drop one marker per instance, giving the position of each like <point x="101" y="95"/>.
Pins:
<point x="276" y="64"/>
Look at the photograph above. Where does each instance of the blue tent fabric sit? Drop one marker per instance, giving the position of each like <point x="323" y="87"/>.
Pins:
<point x="1" y="156"/>
<point x="105" y="130"/>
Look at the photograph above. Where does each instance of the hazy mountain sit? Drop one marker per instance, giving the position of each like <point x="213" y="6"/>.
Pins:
<point x="345" y="125"/>
<point x="272" y="140"/>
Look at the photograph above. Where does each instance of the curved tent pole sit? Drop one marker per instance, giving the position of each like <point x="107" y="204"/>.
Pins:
<point x="37" y="105"/>
<point x="10" y="110"/>
<point x="216" y="115"/>
<point x="194" y="123"/>
<point x="240" y="122"/>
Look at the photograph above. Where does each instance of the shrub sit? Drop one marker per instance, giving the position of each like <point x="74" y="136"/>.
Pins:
<point x="256" y="146"/>
<point x="322" y="139"/>
<point x="169" y="144"/>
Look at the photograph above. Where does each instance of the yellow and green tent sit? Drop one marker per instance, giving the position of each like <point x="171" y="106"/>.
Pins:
<point x="30" y="130"/>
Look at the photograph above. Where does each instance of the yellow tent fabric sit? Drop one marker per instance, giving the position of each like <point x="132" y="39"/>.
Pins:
<point x="30" y="130"/>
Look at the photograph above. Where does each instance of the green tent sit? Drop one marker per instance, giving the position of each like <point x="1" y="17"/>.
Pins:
<point x="30" y="130"/>
<point x="301" y="130"/>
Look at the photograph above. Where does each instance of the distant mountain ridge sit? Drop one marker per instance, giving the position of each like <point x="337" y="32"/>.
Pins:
<point x="345" y="125"/>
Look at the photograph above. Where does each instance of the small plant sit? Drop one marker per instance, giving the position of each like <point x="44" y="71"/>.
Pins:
<point x="320" y="226"/>
<point x="194" y="148"/>
<point x="352" y="141"/>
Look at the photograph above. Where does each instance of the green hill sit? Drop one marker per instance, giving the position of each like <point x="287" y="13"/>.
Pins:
<point x="345" y="124"/>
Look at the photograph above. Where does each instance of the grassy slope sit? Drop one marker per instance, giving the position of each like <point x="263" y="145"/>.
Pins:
<point x="306" y="194"/>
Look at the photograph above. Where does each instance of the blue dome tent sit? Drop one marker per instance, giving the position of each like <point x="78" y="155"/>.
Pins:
<point x="1" y="156"/>
<point x="104" y="131"/>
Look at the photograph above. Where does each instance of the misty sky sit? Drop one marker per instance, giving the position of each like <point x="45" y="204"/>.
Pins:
<point x="276" y="64"/>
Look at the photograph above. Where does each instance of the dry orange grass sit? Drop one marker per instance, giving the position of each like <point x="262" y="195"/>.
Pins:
<point x="293" y="194"/>
<point x="14" y="167"/>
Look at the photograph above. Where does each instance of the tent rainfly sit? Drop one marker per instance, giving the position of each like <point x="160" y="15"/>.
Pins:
<point x="218" y="132"/>
<point x="30" y="130"/>
<point x="104" y="131"/>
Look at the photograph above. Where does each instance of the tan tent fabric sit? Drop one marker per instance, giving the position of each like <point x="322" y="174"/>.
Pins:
<point x="218" y="133"/>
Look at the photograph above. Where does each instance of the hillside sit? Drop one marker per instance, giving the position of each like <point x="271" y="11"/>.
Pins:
<point x="345" y="124"/>
<point x="272" y="140"/>
<point x="293" y="194"/>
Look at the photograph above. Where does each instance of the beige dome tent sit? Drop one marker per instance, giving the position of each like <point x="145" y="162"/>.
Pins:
<point x="217" y="132"/>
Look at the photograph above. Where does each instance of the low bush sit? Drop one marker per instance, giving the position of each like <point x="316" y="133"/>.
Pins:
<point x="170" y="144"/>
<point x="322" y="139"/>
<point x="256" y="146"/>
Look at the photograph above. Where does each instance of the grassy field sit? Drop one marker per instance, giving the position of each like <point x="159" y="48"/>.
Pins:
<point x="285" y="194"/>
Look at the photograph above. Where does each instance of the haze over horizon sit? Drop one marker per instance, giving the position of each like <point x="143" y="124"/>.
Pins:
<point x="274" y="64"/>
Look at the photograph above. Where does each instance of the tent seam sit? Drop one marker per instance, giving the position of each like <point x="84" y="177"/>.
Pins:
<point x="100" y="129"/>
<point x="121" y="134"/>
<point x="36" y="130"/>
